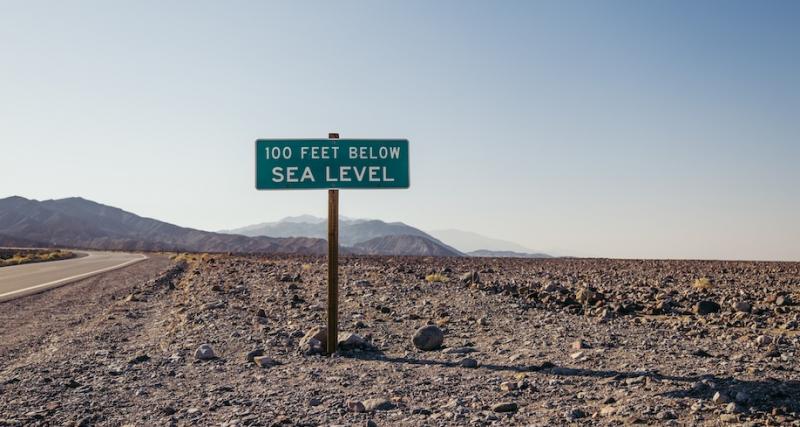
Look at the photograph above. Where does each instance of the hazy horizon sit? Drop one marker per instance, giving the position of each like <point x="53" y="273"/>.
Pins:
<point x="621" y="129"/>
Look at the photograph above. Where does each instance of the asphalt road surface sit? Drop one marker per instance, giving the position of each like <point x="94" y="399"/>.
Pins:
<point x="20" y="280"/>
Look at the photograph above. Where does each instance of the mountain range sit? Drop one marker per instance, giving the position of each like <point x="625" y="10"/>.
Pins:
<point x="352" y="232"/>
<point x="359" y="233"/>
<point x="79" y="223"/>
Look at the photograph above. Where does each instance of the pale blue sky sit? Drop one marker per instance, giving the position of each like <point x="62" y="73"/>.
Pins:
<point x="620" y="129"/>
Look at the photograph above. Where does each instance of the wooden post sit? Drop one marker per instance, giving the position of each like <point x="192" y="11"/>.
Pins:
<point x="333" y="266"/>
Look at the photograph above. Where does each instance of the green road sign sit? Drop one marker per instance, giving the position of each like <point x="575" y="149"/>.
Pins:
<point x="289" y="164"/>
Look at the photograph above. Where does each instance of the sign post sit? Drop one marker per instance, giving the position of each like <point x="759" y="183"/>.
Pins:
<point x="332" y="164"/>
<point x="333" y="266"/>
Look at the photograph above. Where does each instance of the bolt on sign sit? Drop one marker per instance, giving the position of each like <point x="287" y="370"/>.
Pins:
<point x="287" y="164"/>
<point x="333" y="163"/>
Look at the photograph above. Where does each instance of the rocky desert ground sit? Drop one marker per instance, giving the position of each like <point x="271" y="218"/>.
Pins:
<point x="232" y="341"/>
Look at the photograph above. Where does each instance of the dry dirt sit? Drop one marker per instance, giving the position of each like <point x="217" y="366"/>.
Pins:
<point x="120" y="348"/>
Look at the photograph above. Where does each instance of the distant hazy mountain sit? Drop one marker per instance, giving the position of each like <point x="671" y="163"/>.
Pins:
<point x="351" y="231"/>
<point x="404" y="245"/>
<point x="467" y="241"/>
<point x="506" y="254"/>
<point x="80" y="223"/>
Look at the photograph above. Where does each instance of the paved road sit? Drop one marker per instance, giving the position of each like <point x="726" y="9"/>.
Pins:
<point x="20" y="280"/>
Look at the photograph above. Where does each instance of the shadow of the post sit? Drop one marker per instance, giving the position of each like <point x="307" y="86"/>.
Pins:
<point x="764" y="395"/>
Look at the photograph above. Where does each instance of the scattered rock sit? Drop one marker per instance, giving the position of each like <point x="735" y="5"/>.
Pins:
<point x="350" y="341"/>
<point x="265" y="362"/>
<point x="428" y="338"/>
<point x="355" y="406"/>
<point x="378" y="404"/>
<point x="608" y="410"/>
<point x="204" y="352"/>
<point x="734" y="408"/>
<point x="575" y="414"/>
<point x="720" y="398"/>
<point x="470" y="278"/>
<point x="469" y="363"/>
<point x="666" y="415"/>
<point x="251" y="355"/>
<point x="705" y="307"/>
<point x="580" y="344"/>
<point x="505" y="407"/>
<point x="508" y="386"/>
<point x="742" y="306"/>
<point x="588" y="296"/>
<point x="314" y="341"/>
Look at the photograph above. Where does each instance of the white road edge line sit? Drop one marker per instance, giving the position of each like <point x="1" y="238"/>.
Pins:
<point x="8" y="296"/>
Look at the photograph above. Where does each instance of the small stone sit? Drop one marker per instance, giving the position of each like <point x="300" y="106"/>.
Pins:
<point x="351" y="341"/>
<point x="763" y="340"/>
<point x="575" y="414"/>
<point x="734" y="408"/>
<point x="378" y="404"/>
<point x="471" y="277"/>
<point x="482" y="321"/>
<point x="314" y="401"/>
<point x="720" y="398"/>
<point x="356" y="407"/>
<point x="265" y="361"/>
<point x="666" y="415"/>
<point x="588" y="296"/>
<point x="469" y="363"/>
<point x="371" y="423"/>
<point x="607" y="411"/>
<point x="579" y="345"/>
<point x="204" y="352"/>
<point x="781" y="300"/>
<point x="742" y="306"/>
<point x="505" y="407"/>
<point x="139" y="359"/>
<point x="314" y="341"/>
<point x="253" y="354"/>
<point x="576" y="355"/>
<point x="508" y="386"/>
<point x="428" y="338"/>
<point x="705" y="307"/>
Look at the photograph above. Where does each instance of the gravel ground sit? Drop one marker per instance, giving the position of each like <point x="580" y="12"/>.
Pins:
<point x="526" y="342"/>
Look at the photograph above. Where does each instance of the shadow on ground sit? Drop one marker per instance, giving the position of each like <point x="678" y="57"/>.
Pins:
<point x="764" y="395"/>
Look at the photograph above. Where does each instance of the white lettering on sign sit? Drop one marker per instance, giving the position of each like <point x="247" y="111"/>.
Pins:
<point x="289" y="174"/>
<point x="319" y="153"/>
<point x="278" y="153"/>
<point x="371" y="173"/>
<point x="369" y="153"/>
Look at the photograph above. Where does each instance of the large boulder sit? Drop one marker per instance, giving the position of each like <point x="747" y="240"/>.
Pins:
<point x="428" y="338"/>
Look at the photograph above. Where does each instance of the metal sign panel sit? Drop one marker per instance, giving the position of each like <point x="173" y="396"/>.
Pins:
<point x="290" y="164"/>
